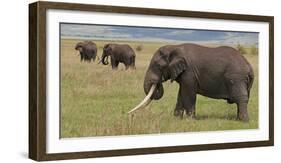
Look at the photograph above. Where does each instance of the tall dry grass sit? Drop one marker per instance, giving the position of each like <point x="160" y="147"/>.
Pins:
<point x="95" y="100"/>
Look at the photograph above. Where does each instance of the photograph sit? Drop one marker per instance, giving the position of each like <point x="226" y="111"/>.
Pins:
<point x="134" y="80"/>
<point x="116" y="80"/>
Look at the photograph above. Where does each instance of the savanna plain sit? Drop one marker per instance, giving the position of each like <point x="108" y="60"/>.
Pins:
<point x="95" y="99"/>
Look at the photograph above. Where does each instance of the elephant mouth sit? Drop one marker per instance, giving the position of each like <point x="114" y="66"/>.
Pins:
<point x="145" y="101"/>
<point x="157" y="93"/>
<point x="153" y="92"/>
<point x="165" y="76"/>
<point x="104" y="60"/>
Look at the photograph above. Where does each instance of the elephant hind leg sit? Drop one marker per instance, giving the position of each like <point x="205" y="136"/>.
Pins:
<point x="242" y="113"/>
<point x="133" y="66"/>
<point x="126" y="67"/>
<point x="94" y="58"/>
<point x="242" y="110"/>
<point x="239" y="94"/>
<point x="229" y="101"/>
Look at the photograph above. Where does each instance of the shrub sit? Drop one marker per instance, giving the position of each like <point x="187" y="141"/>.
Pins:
<point x="241" y="49"/>
<point x="254" y="50"/>
<point x="139" y="48"/>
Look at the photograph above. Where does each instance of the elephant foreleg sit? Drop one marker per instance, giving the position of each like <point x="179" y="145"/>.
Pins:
<point x="81" y="57"/>
<point x="179" y="107"/>
<point x="114" y="64"/>
<point x="188" y="96"/>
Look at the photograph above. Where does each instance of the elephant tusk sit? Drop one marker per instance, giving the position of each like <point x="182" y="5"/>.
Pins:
<point x="145" y="101"/>
<point x="163" y="78"/>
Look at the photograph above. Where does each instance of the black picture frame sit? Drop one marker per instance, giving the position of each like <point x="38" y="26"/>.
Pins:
<point x="37" y="79"/>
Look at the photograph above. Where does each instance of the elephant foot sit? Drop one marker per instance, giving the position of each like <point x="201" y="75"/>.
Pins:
<point x="178" y="113"/>
<point x="243" y="117"/>
<point x="190" y="114"/>
<point x="242" y="113"/>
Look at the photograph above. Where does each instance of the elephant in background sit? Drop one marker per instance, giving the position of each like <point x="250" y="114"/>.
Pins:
<point x="219" y="73"/>
<point x="118" y="53"/>
<point x="87" y="50"/>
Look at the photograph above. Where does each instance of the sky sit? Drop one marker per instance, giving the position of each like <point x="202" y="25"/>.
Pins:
<point x="107" y="32"/>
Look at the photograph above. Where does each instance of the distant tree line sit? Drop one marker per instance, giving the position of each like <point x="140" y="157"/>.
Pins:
<point x="253" y="49"/>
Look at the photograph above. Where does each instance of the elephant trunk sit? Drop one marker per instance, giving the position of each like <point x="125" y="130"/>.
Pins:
<point x="104" y="59"/>
<point x="150" y="79"/>
<point x="145" y="101"/>
<point x="153" y="89"/>
<point x="158" y="93"/>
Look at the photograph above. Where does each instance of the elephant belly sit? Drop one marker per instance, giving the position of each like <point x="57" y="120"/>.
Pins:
<point x="213" y="89"/>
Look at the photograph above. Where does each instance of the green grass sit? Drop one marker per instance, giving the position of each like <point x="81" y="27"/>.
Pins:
<point x="95" y="100"/>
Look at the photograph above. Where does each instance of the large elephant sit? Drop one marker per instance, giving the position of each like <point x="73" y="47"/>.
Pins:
<point x="87" y="50"/>
<point x="119" y="53"/>
<point x="220" y="73"/>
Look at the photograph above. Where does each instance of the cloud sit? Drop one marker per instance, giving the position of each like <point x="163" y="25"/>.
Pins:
<point x="75" y="29"/>
<point x="179" y="32"/>
<point x="240" y="37"/>
<point x="79" y="30"/>
<point x="158" y="34"/>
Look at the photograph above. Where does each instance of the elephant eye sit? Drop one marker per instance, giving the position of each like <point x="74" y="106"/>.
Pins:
<point x="164" y="57"/>
<point x="156" y="66"/>
<point x="159" y="66"/>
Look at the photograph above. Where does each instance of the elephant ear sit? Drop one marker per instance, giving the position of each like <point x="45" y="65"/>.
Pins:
<point x="80" y="48"/>
<point x="107" y="48"/>
<point x="78" y="45"/>
<point x="176" y="66"/>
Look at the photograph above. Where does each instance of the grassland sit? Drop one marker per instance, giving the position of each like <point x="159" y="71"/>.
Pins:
<point x="95" y="100"/>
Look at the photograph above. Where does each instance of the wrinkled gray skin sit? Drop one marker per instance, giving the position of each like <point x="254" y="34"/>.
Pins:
<point x="119" y="53"/>
<point x="220" y="73"/>
<point x="87" y="50"/>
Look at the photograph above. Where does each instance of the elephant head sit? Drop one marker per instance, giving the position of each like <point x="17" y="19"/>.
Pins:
<point x="79" y="46"/>
<point x="107" y="51"/>
<point x="167" y="63"/>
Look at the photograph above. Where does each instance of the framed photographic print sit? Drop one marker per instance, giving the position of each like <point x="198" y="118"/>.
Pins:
<point x="112" y="81"/>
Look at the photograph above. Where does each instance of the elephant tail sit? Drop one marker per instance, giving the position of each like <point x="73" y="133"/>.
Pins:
<point x="133" y="59"/>
<point x="250" y="82"/>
